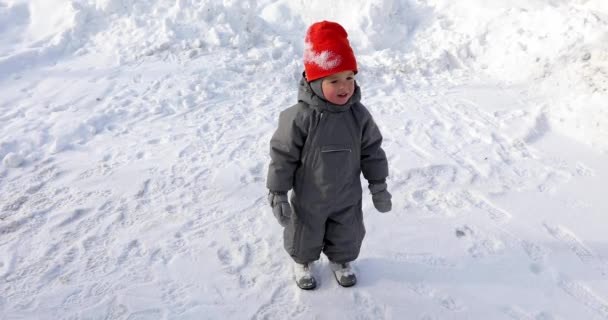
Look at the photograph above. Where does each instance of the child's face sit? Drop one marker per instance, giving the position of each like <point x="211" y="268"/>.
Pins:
<point x="339" y="87"/>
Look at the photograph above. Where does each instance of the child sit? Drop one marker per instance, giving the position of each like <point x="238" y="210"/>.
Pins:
<point x="320" y="148"/>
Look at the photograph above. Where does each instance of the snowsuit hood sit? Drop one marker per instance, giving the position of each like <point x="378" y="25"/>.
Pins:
<point x="312" y="96"/>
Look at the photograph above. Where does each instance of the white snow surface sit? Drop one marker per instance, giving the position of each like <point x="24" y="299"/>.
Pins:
<point x="134" y="145"/>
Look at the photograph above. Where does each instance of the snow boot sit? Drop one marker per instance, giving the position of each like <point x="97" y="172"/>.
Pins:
<point x="344" y="273"/>
<point x="304" y="277"/>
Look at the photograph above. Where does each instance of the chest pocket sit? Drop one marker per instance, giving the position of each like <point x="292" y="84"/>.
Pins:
<point x="337" y="163"/>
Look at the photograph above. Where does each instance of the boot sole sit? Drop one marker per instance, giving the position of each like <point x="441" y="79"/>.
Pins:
<point x="306" y="288"/>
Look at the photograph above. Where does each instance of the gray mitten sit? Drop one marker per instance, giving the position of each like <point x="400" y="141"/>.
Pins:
<point x="381" y="197"/>
<point x="280" y="206"/>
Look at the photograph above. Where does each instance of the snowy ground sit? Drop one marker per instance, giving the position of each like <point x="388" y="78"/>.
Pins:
<point x="134" y="148"/>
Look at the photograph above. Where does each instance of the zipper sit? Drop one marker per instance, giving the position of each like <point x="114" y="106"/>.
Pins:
<point x="336" y="150"/>
<point x="311" y="136"/>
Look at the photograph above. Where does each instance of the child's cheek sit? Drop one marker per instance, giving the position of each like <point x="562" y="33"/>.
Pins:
<point x="329" y="92"/>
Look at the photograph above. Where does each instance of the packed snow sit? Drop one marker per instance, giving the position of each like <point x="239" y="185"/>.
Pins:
<point x="134" y="148"/>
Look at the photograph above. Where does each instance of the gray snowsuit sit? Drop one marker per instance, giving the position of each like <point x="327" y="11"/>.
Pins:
<point x="319" y="150"/>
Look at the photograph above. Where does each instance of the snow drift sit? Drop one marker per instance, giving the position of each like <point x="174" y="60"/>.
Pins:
<point x="560" y="47"/>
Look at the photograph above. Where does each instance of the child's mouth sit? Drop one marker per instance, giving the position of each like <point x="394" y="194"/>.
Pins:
<point x="343" y="95"/>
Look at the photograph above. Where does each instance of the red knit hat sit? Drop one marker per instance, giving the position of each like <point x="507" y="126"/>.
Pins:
<point x="327" y="51"/>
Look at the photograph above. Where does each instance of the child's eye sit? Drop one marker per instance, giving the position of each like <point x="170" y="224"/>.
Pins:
<point x="334" y="81"/>
<point x="350" y="78"/>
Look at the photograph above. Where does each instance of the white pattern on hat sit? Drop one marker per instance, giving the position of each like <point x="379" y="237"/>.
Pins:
<point x="326" y="59"/>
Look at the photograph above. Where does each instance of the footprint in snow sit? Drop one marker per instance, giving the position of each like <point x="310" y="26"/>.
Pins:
<point x="234" y="259"/>
<point x="282" y="304"/>
<point x="584" y="295"/>
<point x="584" y="253"/>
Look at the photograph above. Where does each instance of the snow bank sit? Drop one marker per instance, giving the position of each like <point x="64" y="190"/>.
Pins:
<point x="557" y="49"/>
<point x="514" y="40"/>
<point x="138" y="29"/>
<point x="38" y="32"/>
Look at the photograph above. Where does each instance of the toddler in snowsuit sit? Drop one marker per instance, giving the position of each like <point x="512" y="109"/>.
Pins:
<point x="319" y="150"/>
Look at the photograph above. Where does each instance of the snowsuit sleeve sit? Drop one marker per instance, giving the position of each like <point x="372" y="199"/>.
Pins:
<point x="285" y="148"/>
<point x="374" y="164"/>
